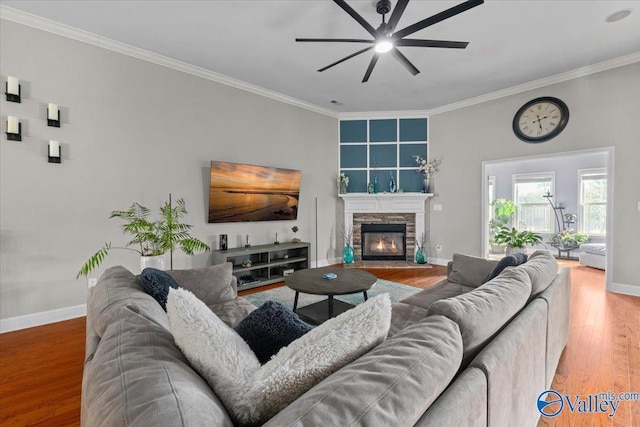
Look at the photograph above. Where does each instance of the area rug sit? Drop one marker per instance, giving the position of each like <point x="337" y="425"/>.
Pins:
<point x="285" y="295"/>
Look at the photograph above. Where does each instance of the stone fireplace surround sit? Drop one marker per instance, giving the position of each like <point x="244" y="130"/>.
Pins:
<point x="393" y="208"/>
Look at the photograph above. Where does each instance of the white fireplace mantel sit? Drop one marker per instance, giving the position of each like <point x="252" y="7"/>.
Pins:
<point x="386" y="203"/>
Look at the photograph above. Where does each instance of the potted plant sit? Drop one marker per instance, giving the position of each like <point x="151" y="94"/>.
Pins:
<point x="568" y="239"/>
<point x="151" y="239"/>
<point x="427" y="169"/>
<point x="516" y="240"/>
<point x="343" y="183"/>
<point x="503" y="212"/>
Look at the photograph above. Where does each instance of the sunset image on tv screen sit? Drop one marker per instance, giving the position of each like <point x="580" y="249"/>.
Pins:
<point x="240" y="192"/>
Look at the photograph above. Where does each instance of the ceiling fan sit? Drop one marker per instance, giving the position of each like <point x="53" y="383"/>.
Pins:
<point x="386" y="39"/>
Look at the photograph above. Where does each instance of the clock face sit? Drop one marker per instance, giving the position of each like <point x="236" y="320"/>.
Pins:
<point x="541" y="119"/>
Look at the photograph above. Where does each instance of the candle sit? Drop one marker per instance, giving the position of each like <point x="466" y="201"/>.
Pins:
<point x="13" y="85"/>
<point x="12" y="125"/>
<point x="54" y="149"/>
<point x="52" y="112"/>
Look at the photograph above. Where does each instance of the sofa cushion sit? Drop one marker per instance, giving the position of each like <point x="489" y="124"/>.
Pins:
<point x="269" y="328"/>
<point x="392" y="385"/>
<point x="232" y="312"/>
<point x="542" y="268"/>
<point x="254" y="393"/>
<point x="442" y="290"/>
<point x="138" y="377"/>
<point x="157" y="283"/>
<point x="116" y="288"/>
<point x="470" y="271"/>
<point x="404" y="315"/>
<point x="481" y="313"/>
<point x="212" y="285"/>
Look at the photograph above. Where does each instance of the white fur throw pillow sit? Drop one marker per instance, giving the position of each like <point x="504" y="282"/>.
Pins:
<point x="253" y="393"/>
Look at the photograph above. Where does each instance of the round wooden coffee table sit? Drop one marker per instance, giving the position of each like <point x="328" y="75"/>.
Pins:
<point x="311" y="281"/>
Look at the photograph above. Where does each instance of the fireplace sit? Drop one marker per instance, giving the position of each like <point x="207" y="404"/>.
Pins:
<point x="384" y="241"/>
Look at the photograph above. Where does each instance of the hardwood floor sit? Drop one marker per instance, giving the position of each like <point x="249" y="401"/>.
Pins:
<point x="41" y="368"/>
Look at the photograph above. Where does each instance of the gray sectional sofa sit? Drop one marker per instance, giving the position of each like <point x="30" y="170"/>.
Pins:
<point x="463" y="353"/>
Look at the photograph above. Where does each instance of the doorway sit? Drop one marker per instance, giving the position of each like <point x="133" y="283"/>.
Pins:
<point x="563" y="176"/>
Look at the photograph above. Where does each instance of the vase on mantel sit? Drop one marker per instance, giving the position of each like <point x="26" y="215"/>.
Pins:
<point x="347" y="254"/>
<point x="426" y="185"/>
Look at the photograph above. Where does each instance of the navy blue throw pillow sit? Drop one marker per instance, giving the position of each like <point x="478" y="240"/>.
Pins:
<point x="269" y="328"/>
<point x="521" y="257"/>
<point x="508" y="261"/>
<point x="157" y="283"/>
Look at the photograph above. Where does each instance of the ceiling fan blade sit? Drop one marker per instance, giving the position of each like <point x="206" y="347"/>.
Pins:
<point x="372" y="64"/>
<point x="431" y="43"/>
<point x="343" y="4"/>
<point x="397" y="14"/>
<point x="462" y="7"/>
<point x="345" y="58"/>
<point x="336" y="40"/>
<point x="404" y="61"/>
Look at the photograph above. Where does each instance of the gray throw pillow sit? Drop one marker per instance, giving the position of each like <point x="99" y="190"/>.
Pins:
<point x="469" y="270"/>
<point x="269" y="328"/>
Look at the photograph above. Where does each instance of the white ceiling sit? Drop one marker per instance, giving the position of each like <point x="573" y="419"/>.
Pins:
<point x="512" y="42"/>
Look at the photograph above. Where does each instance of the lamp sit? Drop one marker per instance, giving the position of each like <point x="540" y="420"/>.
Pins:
<point x="53" y="115"/>
<point x="13" y="89"/>
<point x="55" y="152"/>
<point x="14" y="129"/>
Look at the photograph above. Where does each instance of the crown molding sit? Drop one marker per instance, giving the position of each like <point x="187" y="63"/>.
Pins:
<point x="60" y="29"/>
<point x="40" y="23"/>
<point x="536" y="84"/>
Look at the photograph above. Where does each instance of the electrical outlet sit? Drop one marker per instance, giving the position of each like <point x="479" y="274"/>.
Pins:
<point x="91" y="282"/>
<point x="439" y="247"/>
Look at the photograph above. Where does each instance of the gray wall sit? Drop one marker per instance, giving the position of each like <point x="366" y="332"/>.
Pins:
<point x="604" y="111"/>
<point x="133" y="131"/>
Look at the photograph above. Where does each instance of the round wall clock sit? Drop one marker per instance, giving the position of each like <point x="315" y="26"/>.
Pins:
<point x="540" y="119"/>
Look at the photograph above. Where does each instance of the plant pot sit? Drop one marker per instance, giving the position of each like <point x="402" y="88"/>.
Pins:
<point x="155" y="261"/>
<point x="513" y="251"/>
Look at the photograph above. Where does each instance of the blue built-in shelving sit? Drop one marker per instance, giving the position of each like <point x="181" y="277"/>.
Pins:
<point x="385" y="147"/>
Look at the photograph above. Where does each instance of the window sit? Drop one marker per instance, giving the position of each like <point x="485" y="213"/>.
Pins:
<point x="592" y="201"/>
<point x="533" y="211"/>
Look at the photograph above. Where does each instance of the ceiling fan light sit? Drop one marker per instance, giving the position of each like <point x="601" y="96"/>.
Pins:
<point x="384" y="46"/>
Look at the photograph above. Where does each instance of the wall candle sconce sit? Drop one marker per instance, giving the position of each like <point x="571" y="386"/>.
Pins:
<point x="55" y="152"/>
<point x="13" y="89"/>
<point x="14" y="129"/>
<point x="53" y="115"/>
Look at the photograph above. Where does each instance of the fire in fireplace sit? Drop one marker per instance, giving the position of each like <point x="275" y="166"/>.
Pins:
<point x="384" y="241"/>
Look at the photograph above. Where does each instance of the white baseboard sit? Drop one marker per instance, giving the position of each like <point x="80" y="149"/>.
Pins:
<point x="439" y="261"/>
<point x="622" y="288"/>
<point x="42" y="318"/>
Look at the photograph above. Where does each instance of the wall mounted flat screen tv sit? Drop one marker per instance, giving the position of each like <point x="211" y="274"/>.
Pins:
<point x="241" y="193"/>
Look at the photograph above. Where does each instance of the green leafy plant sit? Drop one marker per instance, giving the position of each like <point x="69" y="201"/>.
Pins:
<point x="516" y="239"/>
<point x="504" y="211"/>
<point x="568" y="239"/>
<point x="151" y="238"/>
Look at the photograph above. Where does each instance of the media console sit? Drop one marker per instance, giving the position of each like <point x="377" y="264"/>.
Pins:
<point x="264" y="264"/>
